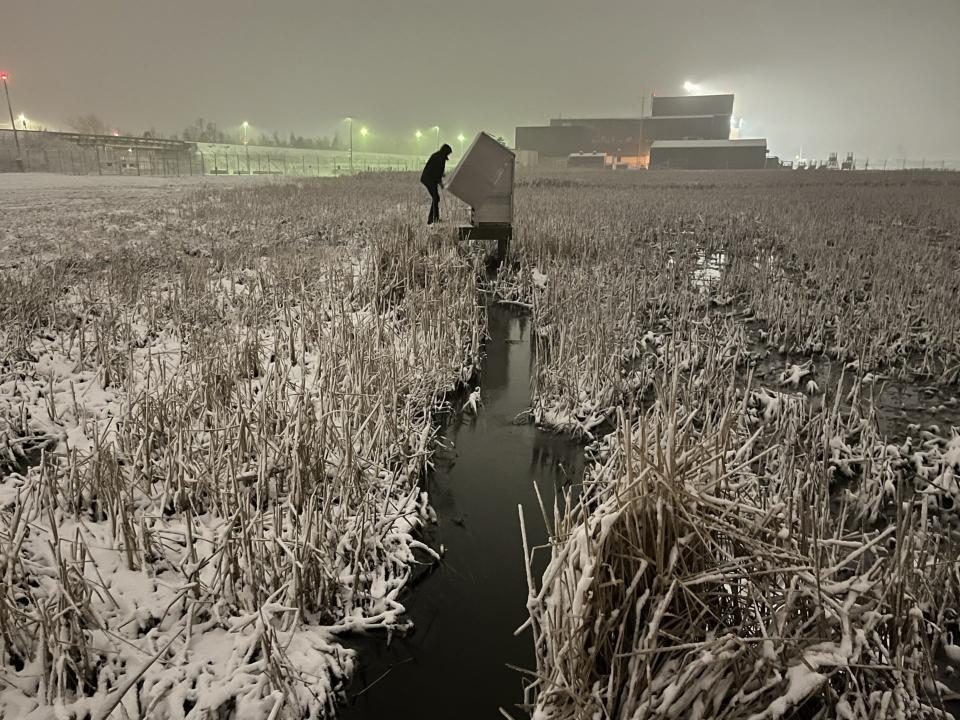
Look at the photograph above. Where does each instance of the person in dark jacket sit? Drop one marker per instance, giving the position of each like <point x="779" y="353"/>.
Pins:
<point x="432" y="179"/>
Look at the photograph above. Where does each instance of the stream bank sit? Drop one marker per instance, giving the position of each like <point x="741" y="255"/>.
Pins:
<point x="455" y="661"/>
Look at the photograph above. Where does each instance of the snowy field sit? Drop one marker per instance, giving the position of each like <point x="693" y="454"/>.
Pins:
<point x="766" y="369"/>
<point x="215" y="403"/>
<point x="215" y="407"/>
<point x="25" y="190"/>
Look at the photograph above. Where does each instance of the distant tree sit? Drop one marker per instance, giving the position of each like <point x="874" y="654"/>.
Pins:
<point x="194" y="133"/>
<point x="90" y="124"/>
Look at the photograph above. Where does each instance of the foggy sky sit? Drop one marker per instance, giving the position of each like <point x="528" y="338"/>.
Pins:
<point x="879" y="77"/>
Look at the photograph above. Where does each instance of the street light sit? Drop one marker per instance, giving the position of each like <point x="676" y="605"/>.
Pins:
<point x="246" y="148"/>
<point x="350" y="120"/>
<point x="437" y="128"/>
<point x="418" y="135"/>
<point x="16" y="138"/>
<point x="23" y="120"/>
<point x="461" y="138"/>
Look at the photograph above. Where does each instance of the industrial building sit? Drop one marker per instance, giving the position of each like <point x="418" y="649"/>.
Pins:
<point x="628" y="142"/>
<point x="748" y="154"/>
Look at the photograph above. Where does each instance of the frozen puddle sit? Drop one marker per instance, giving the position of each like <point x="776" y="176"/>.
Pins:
<point x="454" y="664"/>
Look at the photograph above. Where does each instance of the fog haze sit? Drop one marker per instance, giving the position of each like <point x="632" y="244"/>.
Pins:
<point x="873" y="76"/>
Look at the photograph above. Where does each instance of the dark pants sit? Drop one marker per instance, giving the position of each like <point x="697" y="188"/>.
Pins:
<point x="434" y="215"/>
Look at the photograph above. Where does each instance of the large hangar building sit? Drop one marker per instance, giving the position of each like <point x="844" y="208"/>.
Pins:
<point x="629" y="142"/>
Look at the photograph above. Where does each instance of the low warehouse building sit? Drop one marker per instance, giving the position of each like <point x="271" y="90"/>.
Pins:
<point x="749" y="154"/>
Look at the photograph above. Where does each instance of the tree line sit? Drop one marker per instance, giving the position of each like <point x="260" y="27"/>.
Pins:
<point x="205" y="131"/>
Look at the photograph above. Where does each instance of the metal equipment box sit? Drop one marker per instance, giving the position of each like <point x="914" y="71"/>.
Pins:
<point x="484" y="180"/>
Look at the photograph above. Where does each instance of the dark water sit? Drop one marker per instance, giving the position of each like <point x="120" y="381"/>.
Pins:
<point x="466" y="610"/>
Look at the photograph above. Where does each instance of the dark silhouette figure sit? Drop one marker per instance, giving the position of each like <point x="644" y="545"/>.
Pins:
<point x="432" y="179"/>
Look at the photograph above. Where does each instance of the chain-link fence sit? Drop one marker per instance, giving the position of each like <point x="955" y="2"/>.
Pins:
<point x="48" y="152"/>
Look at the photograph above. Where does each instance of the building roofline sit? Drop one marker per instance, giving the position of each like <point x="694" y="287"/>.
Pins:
<point x="740" y="142"/>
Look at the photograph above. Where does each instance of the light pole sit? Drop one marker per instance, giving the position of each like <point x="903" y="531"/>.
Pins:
<point x="16" y="138"/>
<point x="350" y="120"/>
<point x="246" y="147"/>
<point x="418" y="135"/>
<point x="461" y="138"/>
<point x="437" y="128"/>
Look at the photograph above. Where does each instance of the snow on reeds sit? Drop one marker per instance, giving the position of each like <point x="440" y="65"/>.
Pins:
<point x="742" y="547"/>
<point x="692" y="579"/>
<point x="232" y="411"/>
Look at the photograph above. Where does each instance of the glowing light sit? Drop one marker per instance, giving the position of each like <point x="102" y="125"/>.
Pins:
<point x="3" y="76"/>
<point x="733" y="123"/>
<point x="691" y="87"/>
<point x="460" y="137"/>
<point x="364" y="131"/>
<point x="419" y="134"/>
<point x="245" y="124"/>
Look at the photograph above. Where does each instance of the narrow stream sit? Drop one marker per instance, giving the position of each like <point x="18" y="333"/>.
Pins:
<point x="454" y="664"/>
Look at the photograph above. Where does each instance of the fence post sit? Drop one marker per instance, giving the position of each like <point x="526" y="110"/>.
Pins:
<point x="216" y="166"/>
<point x="60" y="161"/>
<point x="99" y="164"/>
<point x="269" y="169"/>
<point x="303" y="160"/>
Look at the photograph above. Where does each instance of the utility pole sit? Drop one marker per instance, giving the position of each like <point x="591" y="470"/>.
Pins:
<point x="351" y="144"/>
<point x="16" y="138"/>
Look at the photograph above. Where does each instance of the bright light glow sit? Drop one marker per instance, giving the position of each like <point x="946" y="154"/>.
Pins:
<point x="3" y="76"/>
<point x="21" y="117"/>
<point x="419" y="134"/>
<point x="246" y="124"/>
<point x="691" y="88"/>
<point x="460" y="137"/>
<point x="733" y="123"/>
<point x="364" y="131"/>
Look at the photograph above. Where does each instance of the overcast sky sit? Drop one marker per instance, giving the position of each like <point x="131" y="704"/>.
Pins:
<point x="879" y="77"/>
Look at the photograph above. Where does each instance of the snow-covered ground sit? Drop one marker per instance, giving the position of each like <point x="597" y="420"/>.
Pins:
<point x="31" y="190"/>
<point x="215" y="403"/>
